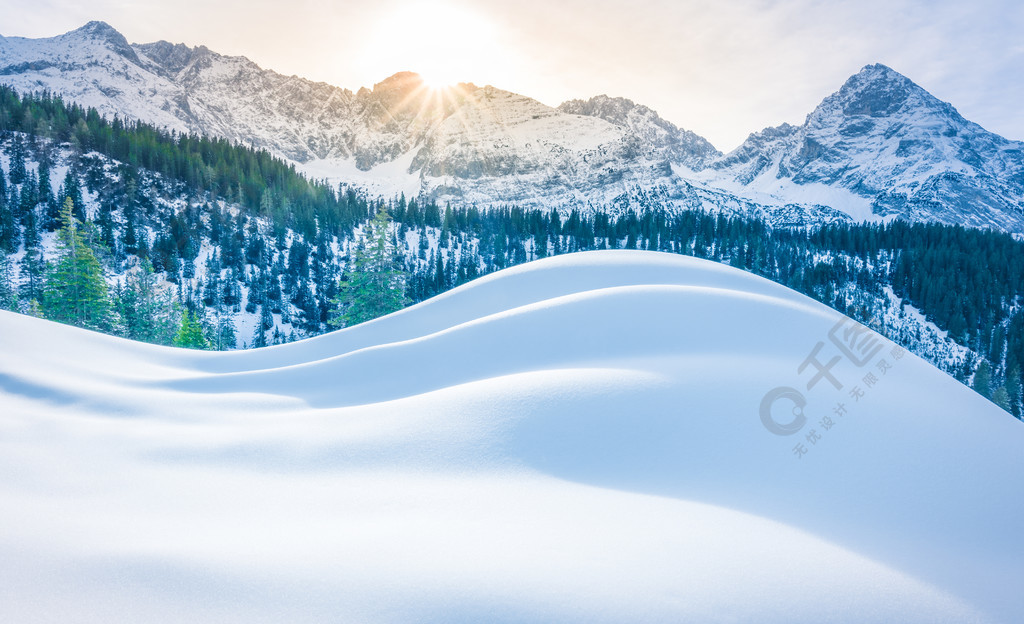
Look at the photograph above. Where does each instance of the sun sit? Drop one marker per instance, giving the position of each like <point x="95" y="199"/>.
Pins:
<point x="439" y="79"/>
<point x="445" y="43"/>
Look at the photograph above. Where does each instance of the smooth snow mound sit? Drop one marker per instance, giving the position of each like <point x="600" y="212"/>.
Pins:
<point x="579" y="439"/>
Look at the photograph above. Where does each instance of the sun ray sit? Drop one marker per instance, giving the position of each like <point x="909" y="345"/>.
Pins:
<point x="446" y="43"/>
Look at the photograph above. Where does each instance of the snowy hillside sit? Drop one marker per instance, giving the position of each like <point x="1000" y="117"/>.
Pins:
<point x="510" y="452"/>
<point x="881" y="147"/>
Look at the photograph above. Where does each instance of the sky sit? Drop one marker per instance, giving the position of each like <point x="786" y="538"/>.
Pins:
<point x="722" y="68"/>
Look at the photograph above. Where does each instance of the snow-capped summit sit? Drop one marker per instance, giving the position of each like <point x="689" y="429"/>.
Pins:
<point x="885" y="138"/>
<point x="878" y="91"/>
<point x="108" y="36"/>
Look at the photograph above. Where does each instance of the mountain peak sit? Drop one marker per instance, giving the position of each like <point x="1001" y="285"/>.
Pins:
<point x="878" y="70"/>
<point x="98" y="27"/>
<point x="877" y="91"/>
<point x="100" y="30"/>
<point x="394" y="90"/>
<point x="400" y="81"/>
<point x="878" y="76"/>
<point x="108" y="35"/>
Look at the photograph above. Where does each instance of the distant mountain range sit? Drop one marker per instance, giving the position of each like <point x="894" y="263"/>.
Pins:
<point x="881" y="147"/>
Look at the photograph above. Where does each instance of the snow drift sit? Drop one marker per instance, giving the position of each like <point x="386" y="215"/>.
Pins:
<point x="586" y="438"/>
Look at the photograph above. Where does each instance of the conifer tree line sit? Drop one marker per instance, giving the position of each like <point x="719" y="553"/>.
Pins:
<point x="250" y="253"/>
<point x="250" y="177"/>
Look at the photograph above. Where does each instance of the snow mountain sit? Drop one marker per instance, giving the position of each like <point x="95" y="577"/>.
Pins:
<point x="466" y="143"/>
<point x="504" y="453"/>
<point x="888" y="140"/>
<point x="880" y="148"/>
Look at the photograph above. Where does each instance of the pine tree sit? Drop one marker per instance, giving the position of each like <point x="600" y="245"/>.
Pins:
<point x="75" y="292"/>
<point x="28" y="197"/>
<point x="1013" y="391"/>
<point x="259" y="336"/>
<point x="221" y="329"/>
<point x="1001" y="398"/>
<point x="982" y="382"/>
<point x="71" y="190"/>
<point x="51" y="209"/>
<point x="375" y="283"/>
<point x="190" y="335"/>
<point x="31" y="237"/>
<point x="9" y="234"/>
<point x="8" y="288"/>
<point x="17" y="167"/>
<point x="147" y="312"/>
<point x="33" y="276"/>
<point x="266" y="316"/>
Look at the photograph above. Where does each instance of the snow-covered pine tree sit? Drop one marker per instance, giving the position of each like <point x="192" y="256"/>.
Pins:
<point x="147" y="312"/>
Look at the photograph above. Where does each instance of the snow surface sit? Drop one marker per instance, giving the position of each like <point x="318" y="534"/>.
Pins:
<point x="388" y="179"/>
<point x="572" y="440"/>
<point x="772" y="190"/>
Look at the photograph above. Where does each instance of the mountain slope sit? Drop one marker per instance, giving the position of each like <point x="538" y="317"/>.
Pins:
<point x="505" y="452"/>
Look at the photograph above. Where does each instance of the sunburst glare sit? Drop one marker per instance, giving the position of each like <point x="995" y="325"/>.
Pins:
<point x="444" y="43"/>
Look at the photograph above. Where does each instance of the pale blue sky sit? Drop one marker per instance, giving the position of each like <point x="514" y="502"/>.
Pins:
<point x="723" y="68"/>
